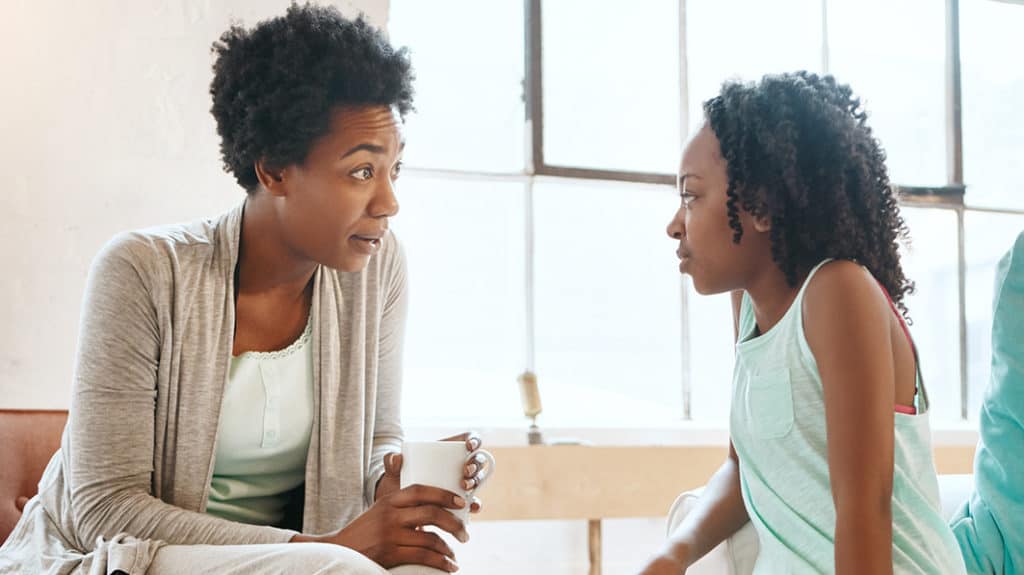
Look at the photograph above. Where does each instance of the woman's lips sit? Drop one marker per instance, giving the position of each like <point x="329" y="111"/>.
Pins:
<point x="368" y="245"/>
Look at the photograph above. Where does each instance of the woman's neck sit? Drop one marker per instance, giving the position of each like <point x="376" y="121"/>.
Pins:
<point x="267" y="265"/>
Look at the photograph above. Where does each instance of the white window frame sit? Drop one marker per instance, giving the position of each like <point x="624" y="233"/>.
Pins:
<point x="686" y="431"/>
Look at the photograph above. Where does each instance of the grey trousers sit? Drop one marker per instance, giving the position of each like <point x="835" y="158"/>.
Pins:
<point x="312" y="558"/>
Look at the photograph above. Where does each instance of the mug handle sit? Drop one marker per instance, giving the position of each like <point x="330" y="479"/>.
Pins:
<point x="485" y="472"/>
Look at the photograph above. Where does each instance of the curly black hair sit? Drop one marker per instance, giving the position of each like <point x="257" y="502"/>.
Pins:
<point x="799" y="151"/>
<point x="275" y="86"/>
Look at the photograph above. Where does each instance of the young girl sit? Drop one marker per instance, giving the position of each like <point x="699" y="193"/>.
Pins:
<point x="786" y="203"/>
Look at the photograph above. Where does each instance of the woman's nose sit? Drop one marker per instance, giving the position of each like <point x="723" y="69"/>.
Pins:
<point x="385" y="203"/>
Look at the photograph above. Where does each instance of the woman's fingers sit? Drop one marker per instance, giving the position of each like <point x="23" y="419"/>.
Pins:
<point x="473" y="441"/>
<point x="436" y="516"/>
<point x="416" y="495"/>
<point x="426" y="539"/>
<point x="474" y="466"/>
<point x="393" y="463"/>
<point x="423" y="556"/>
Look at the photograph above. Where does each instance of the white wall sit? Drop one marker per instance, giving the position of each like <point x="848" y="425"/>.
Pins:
<point x="105" y="126"/>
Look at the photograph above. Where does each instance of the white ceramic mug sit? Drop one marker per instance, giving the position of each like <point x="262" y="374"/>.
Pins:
<point x="441" y="464"/>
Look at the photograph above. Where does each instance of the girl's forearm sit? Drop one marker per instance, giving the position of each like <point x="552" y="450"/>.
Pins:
<point x="863" y="541"/>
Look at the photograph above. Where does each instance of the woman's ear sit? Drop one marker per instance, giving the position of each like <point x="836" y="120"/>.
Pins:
<point x="271" y="178"/>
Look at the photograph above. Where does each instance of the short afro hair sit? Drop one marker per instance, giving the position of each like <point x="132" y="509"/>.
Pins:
<point x="274" y="86"/>
<point x="798" y="150"/>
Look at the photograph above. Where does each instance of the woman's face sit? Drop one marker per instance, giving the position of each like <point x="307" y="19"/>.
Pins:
<point x="701" y="225"/>
<point x="338" y="201"/>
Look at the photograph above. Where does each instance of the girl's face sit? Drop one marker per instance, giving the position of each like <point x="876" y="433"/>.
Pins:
<point x="706" y="249"/>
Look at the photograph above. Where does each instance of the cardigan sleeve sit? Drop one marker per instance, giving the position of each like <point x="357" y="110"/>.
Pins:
<point x="109" y="456"/>
<point x="387" y="431"/>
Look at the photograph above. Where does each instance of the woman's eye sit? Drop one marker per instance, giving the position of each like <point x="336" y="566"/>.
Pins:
<point x="396" y="170"/>
<point x="687" y="198"/>
<point x="364" y="173"/>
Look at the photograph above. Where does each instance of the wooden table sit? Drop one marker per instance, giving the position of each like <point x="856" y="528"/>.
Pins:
<point x="574" y="482"/>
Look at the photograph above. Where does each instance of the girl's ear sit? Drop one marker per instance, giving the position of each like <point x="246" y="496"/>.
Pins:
<point x="762" y="223"/>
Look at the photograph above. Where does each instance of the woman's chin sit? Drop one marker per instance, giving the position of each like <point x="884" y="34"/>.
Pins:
<point x="349" y="263"/>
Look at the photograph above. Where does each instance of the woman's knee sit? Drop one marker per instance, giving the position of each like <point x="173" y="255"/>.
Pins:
<point x="328" y="559"/>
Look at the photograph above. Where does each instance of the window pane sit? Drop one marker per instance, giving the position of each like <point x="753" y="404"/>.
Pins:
<point x="608" y="303"/>
<point x="611" y="84"/>
<point x="465" y="343"/>
<point x="931" y="262"/>
<point x="893" y="55"/>
<point x="780" y="36"/>
<point x="988" y="236"/>
<point x="991" y="48"/>
<point x="711" y="355"/>
<point x="468" y="58"/>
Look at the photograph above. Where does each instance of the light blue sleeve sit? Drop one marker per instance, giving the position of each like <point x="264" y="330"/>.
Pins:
<point x="990" y="527"/>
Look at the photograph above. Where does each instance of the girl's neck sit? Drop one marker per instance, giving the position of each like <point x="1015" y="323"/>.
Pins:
<point x="771" y="296"/>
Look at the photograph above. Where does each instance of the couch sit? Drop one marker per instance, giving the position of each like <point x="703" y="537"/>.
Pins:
<point x="28" y="439"/>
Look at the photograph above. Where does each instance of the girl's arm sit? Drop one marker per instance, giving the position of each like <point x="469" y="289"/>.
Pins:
<point x="847" y="326"/>
<point x="719" y="512"/>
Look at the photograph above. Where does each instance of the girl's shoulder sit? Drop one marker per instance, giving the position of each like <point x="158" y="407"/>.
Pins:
<point x="839" y="283"/>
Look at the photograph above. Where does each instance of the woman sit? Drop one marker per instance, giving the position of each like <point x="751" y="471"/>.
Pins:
<point x="237" y="379"/>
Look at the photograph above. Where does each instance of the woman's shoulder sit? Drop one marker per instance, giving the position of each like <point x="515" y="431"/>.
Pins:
<point x="167" y="249"/>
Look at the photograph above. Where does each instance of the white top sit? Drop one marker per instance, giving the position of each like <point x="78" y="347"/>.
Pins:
<point x="263" y="435"/>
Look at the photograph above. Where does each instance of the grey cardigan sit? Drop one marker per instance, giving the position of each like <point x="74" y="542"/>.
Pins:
<point x="136" y="458"/>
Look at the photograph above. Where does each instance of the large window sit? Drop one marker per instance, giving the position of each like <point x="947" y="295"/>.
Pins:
<point x="540" y="171"/>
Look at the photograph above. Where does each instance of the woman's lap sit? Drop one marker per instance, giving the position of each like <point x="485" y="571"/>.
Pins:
<point x="313" y="558"/>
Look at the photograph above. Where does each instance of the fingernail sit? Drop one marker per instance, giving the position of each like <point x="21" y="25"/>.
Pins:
<point x="459" y="502"/>
<point x="462" y="536"/>
<point x="467" y="484"/>
<point x="471" y="468"/>
<point x="452" y="566"/>
<point x="475" y="443"/>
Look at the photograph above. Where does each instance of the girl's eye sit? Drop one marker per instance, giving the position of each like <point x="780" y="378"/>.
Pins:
<point x="396" y="170"/>
<point x="364" y="173"/>
<point x="687" y="198"/>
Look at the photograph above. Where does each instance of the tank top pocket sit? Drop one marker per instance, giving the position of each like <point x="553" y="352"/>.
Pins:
<point x="769" y="404"/>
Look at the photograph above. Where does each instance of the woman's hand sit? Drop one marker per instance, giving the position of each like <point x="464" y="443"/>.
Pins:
<point x="472" y="473"/>
<point x="390" y="532"/>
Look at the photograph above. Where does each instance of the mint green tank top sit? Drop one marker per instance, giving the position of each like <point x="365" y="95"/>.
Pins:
<point x="263" y="435"/>
<point x="777" y="425"/>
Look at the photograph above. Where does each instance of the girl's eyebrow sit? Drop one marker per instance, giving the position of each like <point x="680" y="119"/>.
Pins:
<point x="683" y="176"/>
